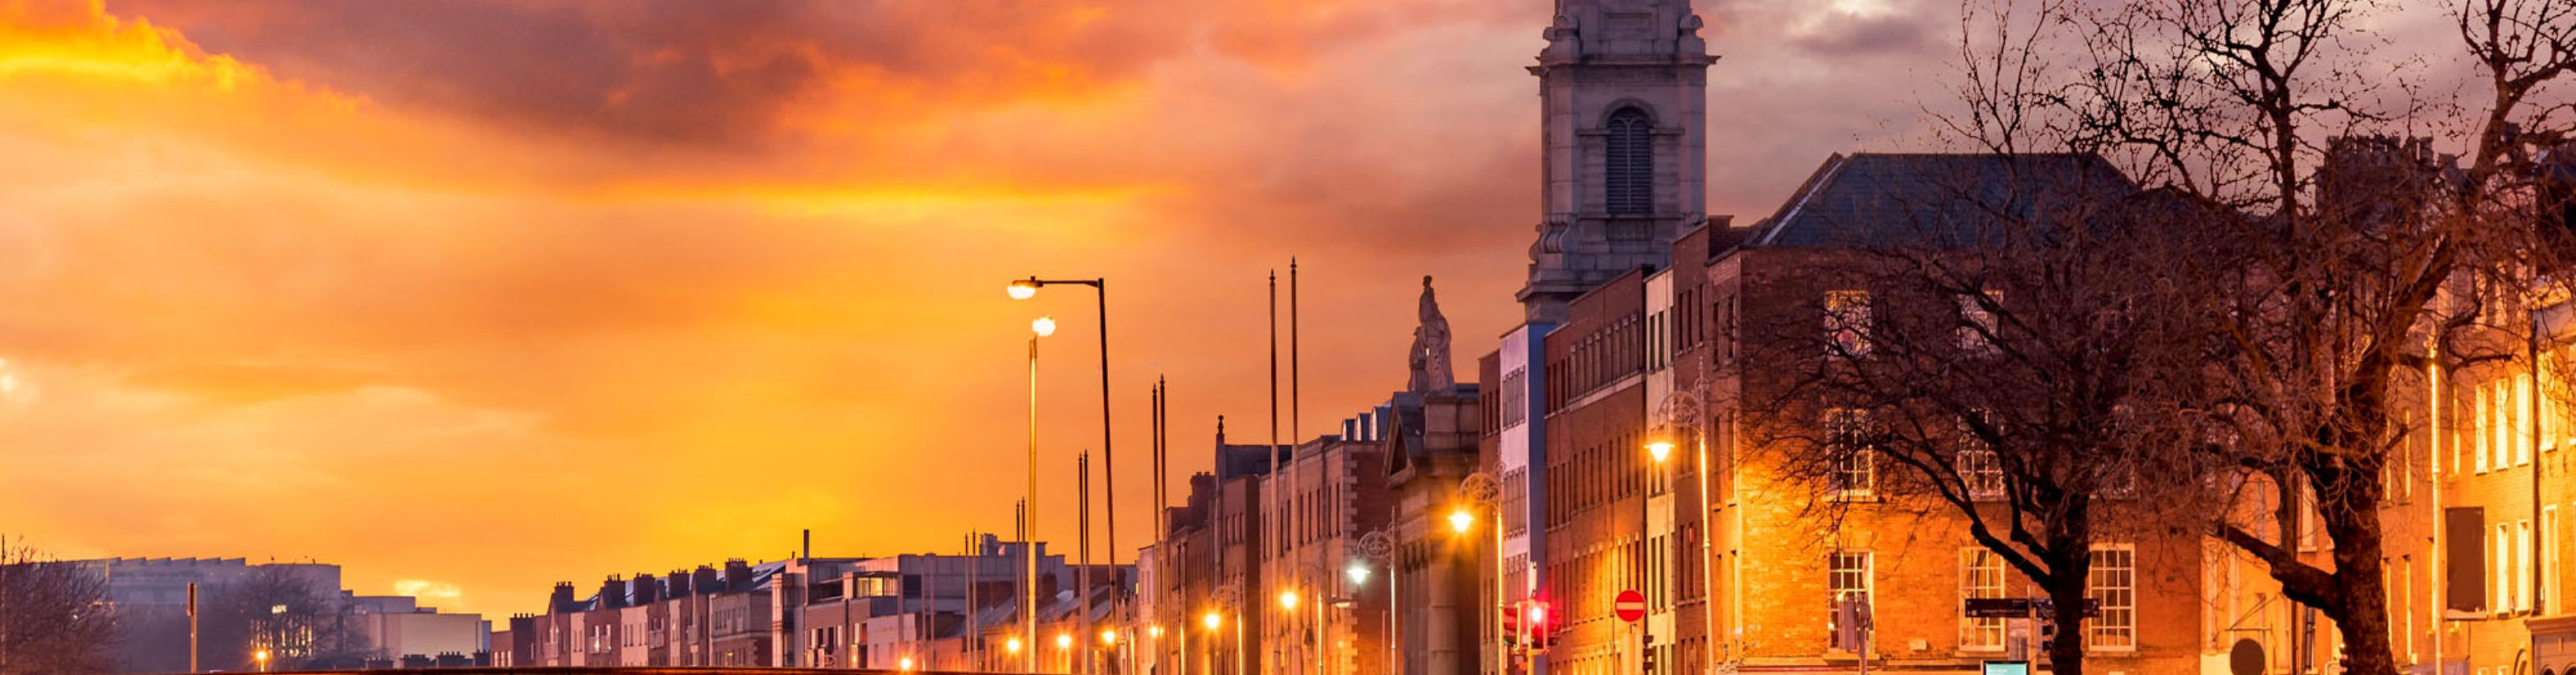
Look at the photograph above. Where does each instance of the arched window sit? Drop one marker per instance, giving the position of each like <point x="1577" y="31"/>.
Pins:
<point x="1629" y="174"/>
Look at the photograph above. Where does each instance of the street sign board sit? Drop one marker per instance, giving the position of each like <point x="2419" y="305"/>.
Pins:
<point x="2019" y="608"/>
<point x="1998" y="608"/>
<point x="2006" y="668"/>
<point x="1631" y="606"/>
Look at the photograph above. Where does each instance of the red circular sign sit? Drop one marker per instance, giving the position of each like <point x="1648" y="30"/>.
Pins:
<point x="1631" y="606"/>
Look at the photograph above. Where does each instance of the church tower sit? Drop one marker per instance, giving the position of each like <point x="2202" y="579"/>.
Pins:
<point x="1625" y="84"/>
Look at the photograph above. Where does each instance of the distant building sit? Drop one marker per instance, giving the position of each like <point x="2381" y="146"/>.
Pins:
<point x="396" y="627"/>
<point x="942" y="612"/>
<point x="150" y="597"/>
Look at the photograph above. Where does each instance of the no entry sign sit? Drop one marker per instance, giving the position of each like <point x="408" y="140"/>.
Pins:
<point x="1631" y="606"/>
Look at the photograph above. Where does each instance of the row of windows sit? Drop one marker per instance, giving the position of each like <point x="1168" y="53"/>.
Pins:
<point x="1319" y="510"/>
<point x="1593" y="476"/>
<point x="1597" y="359"/>
<point x="1849" y="323"/>
<point x="1850" y="576"/>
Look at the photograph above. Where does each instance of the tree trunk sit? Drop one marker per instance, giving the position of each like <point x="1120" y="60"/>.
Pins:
<point x="2066" y="593"/>
<point x="2362" y="589"/>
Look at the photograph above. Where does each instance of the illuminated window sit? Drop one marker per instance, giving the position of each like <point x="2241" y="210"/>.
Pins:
<point x="1846" y="577"/>
<point x="2113" y="585"/>
<point x="2520" y="420"/>
<point x="2483" y="418"/>
<point x="2549" y="557"/>
<point x="1981" y="575"/>
<point x="2502" y="544"/>
<point x="1629" y="164"/>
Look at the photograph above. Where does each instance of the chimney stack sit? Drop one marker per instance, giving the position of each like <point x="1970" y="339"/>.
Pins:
<point x="646" y="592"/>
<point x="737" y="575"/>
<point x="612" y="593"/>
<point x="561" y="602"/>
<point x="704" y="581"/>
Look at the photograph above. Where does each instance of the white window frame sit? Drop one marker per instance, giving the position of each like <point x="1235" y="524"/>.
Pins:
<point x="2115" y="588"/>
<point x="1855" y="468"/>
<point x="2500" y="552"/>
<point x="1981" y="575"/>
<point x="2548" y="582"/>
<point x="2521" y="418"/>
<point x="1839" y="573"/>
<point x="2522" y="572"/>
<point x="2482" y="410"/>
<point x="1981" y="471"/>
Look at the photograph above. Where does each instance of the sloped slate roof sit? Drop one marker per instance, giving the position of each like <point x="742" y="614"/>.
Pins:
<point x="1937" y="199"/>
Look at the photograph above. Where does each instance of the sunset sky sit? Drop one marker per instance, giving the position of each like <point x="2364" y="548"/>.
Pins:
<point x="471" y="297"/>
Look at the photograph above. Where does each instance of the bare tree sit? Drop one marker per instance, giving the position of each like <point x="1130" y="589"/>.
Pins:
<point x="294" y="615"/>
<point x="2351" y="259"/>
<point x="54" y="616"/>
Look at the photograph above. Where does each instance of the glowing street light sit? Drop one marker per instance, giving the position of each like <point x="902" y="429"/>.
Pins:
<point x="1044" y="326"/>
<point x="1013" y="646"/>
<point x="1659" y="450"/>
<point x="1023" y="289"/>
<point x="1109" y="636"/>
<point x="1155" y="631"/>
<point x="260" y="657"/>
<point x="1461" y="520"/>
<point x="1064" y="641"/>
<point x="1288" y="600"/>
<point x="905" y="665"/>
<point x="1212" y="620"/>
<point x="1358" y="572"/>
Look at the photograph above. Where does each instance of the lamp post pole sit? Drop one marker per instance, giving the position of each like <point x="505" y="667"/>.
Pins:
<point x="1378" y="545"/>
<point x="1480" y="489"/>
<point x="1023" y="289"/>
<point x="1042" y="327"/>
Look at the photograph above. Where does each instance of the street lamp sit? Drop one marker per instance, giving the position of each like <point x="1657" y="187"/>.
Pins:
<point x="1288" y="600"/>
<point x="260" y="657"/>
<point x="1657" y="450"/>
<point x="1481" y="489"/>
<point x="1012" y="646"/>
<point x="1380" y="546"/>
<point x="1023" y="289"/>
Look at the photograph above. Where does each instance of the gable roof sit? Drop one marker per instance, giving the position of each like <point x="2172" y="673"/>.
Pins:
<point x="1873" y="199"/>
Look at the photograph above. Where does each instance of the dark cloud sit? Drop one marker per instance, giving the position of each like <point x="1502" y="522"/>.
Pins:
<point x="665" y="71"/>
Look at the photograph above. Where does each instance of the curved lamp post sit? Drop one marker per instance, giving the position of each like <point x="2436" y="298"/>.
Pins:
<point x="1479" y="491"/>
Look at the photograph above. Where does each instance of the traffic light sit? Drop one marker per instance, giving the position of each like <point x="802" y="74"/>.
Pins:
<point x="1647" y="656"/>
<point x="1512" y="624"/>
<point x="1539" y="633"/>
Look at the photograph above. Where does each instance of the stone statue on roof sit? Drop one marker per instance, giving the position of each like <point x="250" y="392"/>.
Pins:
<point x="1430" y="356"/>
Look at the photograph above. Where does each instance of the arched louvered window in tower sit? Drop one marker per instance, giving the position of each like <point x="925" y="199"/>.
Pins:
<point x="1629" y="172"/>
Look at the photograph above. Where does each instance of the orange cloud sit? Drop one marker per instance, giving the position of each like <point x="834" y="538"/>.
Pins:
<point x="502" y="293"/>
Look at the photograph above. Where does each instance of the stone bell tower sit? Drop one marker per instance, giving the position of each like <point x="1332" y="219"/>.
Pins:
<point x="1625" y="84"/>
